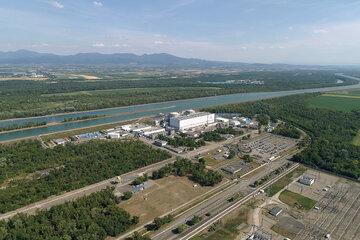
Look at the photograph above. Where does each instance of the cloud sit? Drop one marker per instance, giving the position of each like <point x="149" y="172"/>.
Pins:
<point x="56" y="4"/>
<point x="159" y="42"/>
<point x="320" y="31"/>
<point x="98" y="45"/>
<point x="40" y="45"/>
<point x="97" y="3"/>
<point x="121" y="45"/>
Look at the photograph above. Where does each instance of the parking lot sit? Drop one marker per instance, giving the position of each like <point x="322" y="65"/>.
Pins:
<point x="269" y="145"/>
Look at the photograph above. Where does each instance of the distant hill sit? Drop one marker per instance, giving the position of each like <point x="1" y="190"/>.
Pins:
<point x="129" y="59"/>
<point x="161" y="59"/>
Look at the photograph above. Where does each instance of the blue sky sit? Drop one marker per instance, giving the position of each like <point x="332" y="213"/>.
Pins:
<point x="268" y="31"/>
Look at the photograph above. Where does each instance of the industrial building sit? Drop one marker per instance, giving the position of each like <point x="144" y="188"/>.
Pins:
<point x="153" y="131"/>
<point x="275" y="211"/>
<point x="307" y="180"/>
<point x="190" y="119"/>
<point x="136" y="128"/>
<point x="60" y="141"/>
<point x="160" y="143"/>
<point x="116" y="134"/>
<point x="259" y="236"/>
<point x="222" y="119"/>
<point x="232" y="169"/>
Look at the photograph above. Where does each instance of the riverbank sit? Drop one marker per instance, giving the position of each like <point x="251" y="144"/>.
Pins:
<point x="116" y="115"/>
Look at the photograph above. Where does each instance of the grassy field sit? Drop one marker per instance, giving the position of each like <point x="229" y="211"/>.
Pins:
<point x="356" y="141"/>
<point x="336" y="102"/>
<point x="284" y="181"/>
<point x="227" y="230"/>
<point x="210" y="160"/>
<point x="346" y="100"/>
<point x="163" y="196"/>
<point x="296" y="200"/>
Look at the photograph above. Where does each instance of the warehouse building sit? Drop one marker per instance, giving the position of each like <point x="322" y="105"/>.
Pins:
<point x="275" y="211"/>
<point x="191" y="120"/>
<point x="306" y="180"/>
<point x="153" y="131"/>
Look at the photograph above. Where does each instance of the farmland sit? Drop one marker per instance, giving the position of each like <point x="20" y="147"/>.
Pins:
<point x="341" y="101"/>
<point x="83" y="88"/>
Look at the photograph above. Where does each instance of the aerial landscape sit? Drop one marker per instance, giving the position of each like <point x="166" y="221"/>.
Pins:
<point x="176" y="120"/>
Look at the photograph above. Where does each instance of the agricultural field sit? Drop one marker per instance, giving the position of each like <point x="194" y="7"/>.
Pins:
<point x="341" y="101"/>
<point x="85" y="88"/>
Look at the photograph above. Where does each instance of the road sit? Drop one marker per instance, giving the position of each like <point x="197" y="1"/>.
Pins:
<point x="198" y="229"/>
<point x="127" y="178"/>
<point x="217" y="202"/>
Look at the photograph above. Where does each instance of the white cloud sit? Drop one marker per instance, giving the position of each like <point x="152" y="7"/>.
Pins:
<point x="40" y="45"/>
<point x="158" y="42"/>
<point x="121" y="45"/>
<point x="56" y="4"/>
<point x="98" y="45"/>
<point x="97" y="3"/>
<point x="320" y="31"/>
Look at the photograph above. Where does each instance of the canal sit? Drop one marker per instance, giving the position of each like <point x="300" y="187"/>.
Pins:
<point x="137" y="111"/>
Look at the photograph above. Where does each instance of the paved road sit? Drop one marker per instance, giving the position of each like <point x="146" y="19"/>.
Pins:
<point x="126" y="180"/>
<point x="217" y="202"/>
<point x="208" y="222"/>
<point x="72" y="195"/>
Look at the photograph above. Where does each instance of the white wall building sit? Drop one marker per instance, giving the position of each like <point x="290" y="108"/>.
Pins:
<point x="307" y="180"/>
<point x="222" y="119"/>
<point x="154" y="130"/>
<point x="192" y="120"/>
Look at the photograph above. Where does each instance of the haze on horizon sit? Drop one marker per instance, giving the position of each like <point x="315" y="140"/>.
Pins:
<point x="265" y="31"/>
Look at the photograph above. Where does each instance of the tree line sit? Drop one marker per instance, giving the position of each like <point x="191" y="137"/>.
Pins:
<point x="30" y="173"/>
<point x="94" y="217"/>
<point x="330" y="132"/>
<point x="195" y="172"/>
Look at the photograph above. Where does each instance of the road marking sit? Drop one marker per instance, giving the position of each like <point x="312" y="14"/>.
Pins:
<point x="234" y="206"/>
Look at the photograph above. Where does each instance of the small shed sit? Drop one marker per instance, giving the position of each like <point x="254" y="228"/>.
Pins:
<point x="275" y="211"/>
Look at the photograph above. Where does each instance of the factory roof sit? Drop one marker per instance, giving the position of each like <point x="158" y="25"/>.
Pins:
<point x="275" y="211"/>
<point x="193" y="115"/>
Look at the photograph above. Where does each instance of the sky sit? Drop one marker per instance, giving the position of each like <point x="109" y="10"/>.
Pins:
<point x="263" y="31"/>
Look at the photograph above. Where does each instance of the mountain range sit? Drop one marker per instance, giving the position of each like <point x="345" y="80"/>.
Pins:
<point x="158" y="59"/>
<point x="130" y="59"/>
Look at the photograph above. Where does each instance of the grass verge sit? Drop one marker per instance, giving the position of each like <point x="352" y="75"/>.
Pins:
<point x="284" y="181"/>
<point x="296" y="200"/>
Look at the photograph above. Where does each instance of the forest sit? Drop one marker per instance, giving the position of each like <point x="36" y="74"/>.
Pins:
<point x="330" y="132"/>
<point x="60" y="94"/>
<point x="183" y="141"/>
<point x="94" y="217"/>
<point x="30" y="173"/>
<point x="195" y="171"/>
<point x="287" y="130"/>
